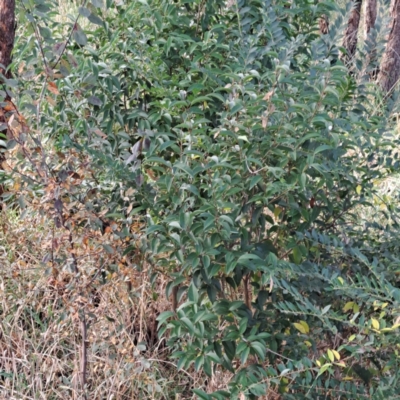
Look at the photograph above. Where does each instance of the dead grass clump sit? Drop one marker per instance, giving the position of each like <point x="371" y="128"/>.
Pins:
<point x="44" y="348"/>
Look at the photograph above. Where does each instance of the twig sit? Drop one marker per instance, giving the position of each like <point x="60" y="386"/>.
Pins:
<point x="83" y="353"/>
<point x="69" y="37"/>
<point x="246" y="291"/>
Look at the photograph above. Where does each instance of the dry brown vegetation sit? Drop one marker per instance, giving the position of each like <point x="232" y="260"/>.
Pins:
<point x="42" y="312"/>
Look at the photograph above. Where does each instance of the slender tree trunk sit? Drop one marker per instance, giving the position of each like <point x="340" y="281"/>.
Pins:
<point x="7" y="34"/>
<point x="392" y="5"/>
<point x="323" y="24"/>
<point x="370" y="15"/>
<point x="390" y="67"/>
<point x="351" y="33"/>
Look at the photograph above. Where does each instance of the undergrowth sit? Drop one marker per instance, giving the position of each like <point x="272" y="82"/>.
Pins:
<point x="40" y="329"/>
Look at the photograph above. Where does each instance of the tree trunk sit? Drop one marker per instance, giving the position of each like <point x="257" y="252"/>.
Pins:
<point x="392" y="5"/>
<point x="390" y="67"/>
<point x="323" y="24"/>
<point x="370" y="15"/>
<point x="7" y="33"/>
<point x="350" y="35"/>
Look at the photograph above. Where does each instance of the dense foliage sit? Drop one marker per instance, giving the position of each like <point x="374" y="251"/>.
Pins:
<point x="252" y="157"/>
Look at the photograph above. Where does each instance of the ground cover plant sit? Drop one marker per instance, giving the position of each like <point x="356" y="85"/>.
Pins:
<point x="196" y="205"/>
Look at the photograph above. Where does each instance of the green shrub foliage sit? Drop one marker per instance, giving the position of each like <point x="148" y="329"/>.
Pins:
<point x="254" y="158"/>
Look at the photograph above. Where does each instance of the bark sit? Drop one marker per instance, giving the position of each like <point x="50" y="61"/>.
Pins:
<point x="370" y="15"/>
<point x="7" y="34"/>
<point x="323" y="24"/>
<point x="392" y="5"/>
<point x="351" y="32"/>
<point x="390" y="67"/>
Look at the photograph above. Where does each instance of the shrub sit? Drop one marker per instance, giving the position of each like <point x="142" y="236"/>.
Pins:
<point x="252" y="155"/>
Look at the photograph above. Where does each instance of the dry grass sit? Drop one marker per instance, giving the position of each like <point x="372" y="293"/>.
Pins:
<point x="42" y="335"/>
<point x="68" y="11"/>
<point x="44" y="317"/>
<point x="68" y="8"/>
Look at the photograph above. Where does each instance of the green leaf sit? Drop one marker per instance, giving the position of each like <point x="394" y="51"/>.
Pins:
<point x="163" y="317"/>
<point x="243" y="325"/>
<point x="235" y="305"/>
<point x="98" y="3"/>
<point x="258" y="389"/>
<point x="201" y="394"/>
<point x="94" y="100"/>
<point x="212" y="293"/>
<point x="254" y="180"/>
<point x="324" y="368"/>
<point x="297" y="256"/>
<point x="188" y="324"/>
<point x="259" y="348"/>
<point x="11" y="144"/>
<point x="155" y="228"/>
<point x="199" y="362"/>
<point x="200" y="99"/>
<point x="95" y="19"/>
<point x="247" y="259"/>
<point x="230" y="348"/>
<point x="193" y="293"/>
<point x="181" y="363"/>
<point x="84" y="11"/>
<point x="108" y="249"/>
<point x="214" y="357"/>
<point x="303" y="180"/>
<point x="244" y="355"/>
<point x="79" y="36"/>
